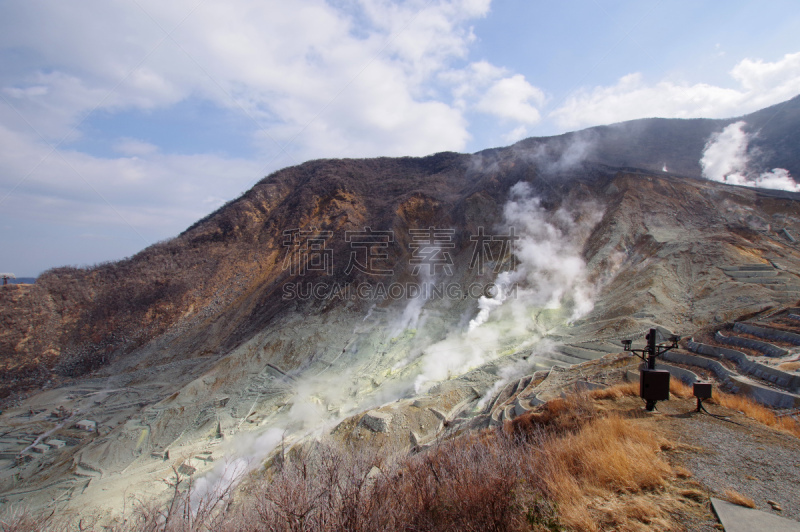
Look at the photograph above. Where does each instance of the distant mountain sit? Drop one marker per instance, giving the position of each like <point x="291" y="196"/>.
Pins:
<point x="652" y="143"/>
<point x="22" y="280"/>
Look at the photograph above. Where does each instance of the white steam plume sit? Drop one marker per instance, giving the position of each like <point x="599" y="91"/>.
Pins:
<point x="411" y="318"/>
<point x="555" y="157"/>
<point x="551" y="271"/>
<point x="250" y="451"/>
<point x="515" y="370"/>
<point x="725" y="159"/>
<point x="550" y="276"/>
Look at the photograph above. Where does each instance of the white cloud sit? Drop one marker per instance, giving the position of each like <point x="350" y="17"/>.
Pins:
<point x="149" y="194"/>
<point x="323" y="79"/>
<point x="134" y="147"/>
<point x="362" y="82"/>
<point x="513" y="98"/>
<point x="488" y="89"/>
<point x="518" y="133"/>
<point x="781" y="77"/>
<point x="760" y="84"/>
<point x="470" y="82"/>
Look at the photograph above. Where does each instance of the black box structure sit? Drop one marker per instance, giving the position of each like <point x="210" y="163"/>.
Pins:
<point x="654" y="384"/>
<point x="702" y="390"/>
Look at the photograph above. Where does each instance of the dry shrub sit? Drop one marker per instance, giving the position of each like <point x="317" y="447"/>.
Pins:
<point x="473" y="483"/>
<point x="737" y="498"/>
<point x="22" y="520"/>
<point x="564" y="414"/>
<point x="184" y="511"/>
<point x="468" y="485"/>
<point x="628" y="389"/>
<point x="320" y="487"/>
<point x="757" y="412"/>
<point x="789" y="366"/>
<point x="679" y="389"/>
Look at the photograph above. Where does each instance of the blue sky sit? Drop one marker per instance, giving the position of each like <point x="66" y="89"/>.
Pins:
<point x="122" y="122"/>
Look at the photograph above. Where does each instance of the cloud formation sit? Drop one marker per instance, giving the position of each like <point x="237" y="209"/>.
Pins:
<point x="309" y="78"/>
<point x="761" y="84"/>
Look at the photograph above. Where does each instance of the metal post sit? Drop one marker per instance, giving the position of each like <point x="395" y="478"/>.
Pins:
<point x="651" y="349"/>
<point x="651" y="363"/>
<point x="648" y="356"/>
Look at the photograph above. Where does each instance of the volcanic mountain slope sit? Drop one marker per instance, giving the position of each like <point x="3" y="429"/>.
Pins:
<point x="269" y="319"/>
<point x="84" y="317"/>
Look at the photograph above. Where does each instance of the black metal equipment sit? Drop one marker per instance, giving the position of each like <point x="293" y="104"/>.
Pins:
<point x="653" y="383"/>
<point x="701" y="390"/>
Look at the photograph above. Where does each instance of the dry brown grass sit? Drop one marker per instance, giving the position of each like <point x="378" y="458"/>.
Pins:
<point x="756" y="411"/>
<point x="682" y="472"/>
<point x="737" y="498"/>
<point x="693" y="494"/>
<point x="612" y="453"/>
<point x="607" y="457"/>
<point x="628" y="389"/>
<point x="679" y="389"/>
<point x="789" y="366"/>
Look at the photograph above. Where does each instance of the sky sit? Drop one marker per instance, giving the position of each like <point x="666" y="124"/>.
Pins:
<point x="123" y="122"/>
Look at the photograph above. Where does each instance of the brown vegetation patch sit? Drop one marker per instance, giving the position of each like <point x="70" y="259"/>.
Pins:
<point x="557" y="416"/>
<point x="679" y="389"/>
<point x="628" y="389"/>
<point x="790" y="366"/>
<point x="757" y="412"/>
<point x="737" y="498"/>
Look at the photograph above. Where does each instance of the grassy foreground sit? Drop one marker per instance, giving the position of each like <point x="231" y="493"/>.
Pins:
<point x="572" y="465"/>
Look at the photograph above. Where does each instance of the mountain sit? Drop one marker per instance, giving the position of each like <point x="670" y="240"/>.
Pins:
<point x="336" y="286"/>
<point x="652" y="143"/>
